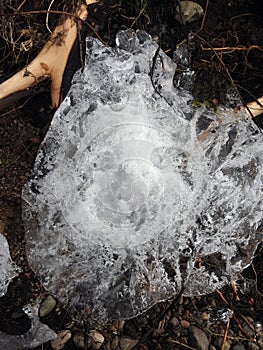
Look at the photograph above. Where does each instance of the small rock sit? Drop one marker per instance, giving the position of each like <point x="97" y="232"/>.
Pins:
<point x="96" y="339"/>
<point x="213" y="303"/>
<point x="79" y="341"/>
<point x="205" y="316"/>
<point x="198" y="338"/>
<point x="121" y="324"/>
<point x="238" y="347"/>
<point x="127" y="343"/>
<point x="252" y="346"/>
<point x="174" y="322"/>
<point x="181" y="300"/>
<point x="218" y="343"/>
<point x="47" y="306"/>
<point x="188" y="11"/>
<point x="62" y="338"/>
<point x="115" y="343"/>
<point x="185" y="324"/>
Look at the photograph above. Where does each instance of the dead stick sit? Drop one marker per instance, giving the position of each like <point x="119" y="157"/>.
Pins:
<point x="50" y="62"/>
<point x="231" y="49"/>
<point x="225" y="335"/>
<point x="255" y="107"/>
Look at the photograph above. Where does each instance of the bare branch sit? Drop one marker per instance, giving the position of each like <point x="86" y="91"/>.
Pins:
<point x="51" y="61"/>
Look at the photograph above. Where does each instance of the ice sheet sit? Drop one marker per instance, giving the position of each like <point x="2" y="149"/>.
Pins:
<point x="8" y="269"/>
<point x="135" y="193"/>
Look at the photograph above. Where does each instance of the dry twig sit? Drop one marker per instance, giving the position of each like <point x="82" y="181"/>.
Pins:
<point x="225" y="335"/>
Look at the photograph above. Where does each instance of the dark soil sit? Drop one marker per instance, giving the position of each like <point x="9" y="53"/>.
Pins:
<point x="234" y="24"/>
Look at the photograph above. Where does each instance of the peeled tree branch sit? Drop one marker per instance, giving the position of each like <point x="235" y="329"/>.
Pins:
<point x="52" y="59"/>
<point x="255" y="108"/>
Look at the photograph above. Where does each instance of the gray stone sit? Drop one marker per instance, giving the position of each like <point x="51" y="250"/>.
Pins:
<point x="127" y="343"/>
<point x="96" y="339"/>
<point x="218" y="343"/>
<point x="205" y="316"/>
<point x="198" y="338"/>
<point x="79" y="341"/>
<point x="188" y="11"/>
<point x="174" y="322"/>
<point x="238" y="347"/>
<point x="47" y="306"/>
<point x="252" y="346"/>
<point x="62" y="338"/>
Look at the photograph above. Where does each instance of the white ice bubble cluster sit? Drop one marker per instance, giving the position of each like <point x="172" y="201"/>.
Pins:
<point x="135" y="194"/>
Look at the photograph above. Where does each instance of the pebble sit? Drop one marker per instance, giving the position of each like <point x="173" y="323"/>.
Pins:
<point x="218" y="343"/>
<point x="205" y="316"/>
<point x="127" y="343"/>
<point x="96" y="339"/>
<point x="117" y="326"/>
<point x="238" y="347"/>
<point x="115" y="343"/>
<point x="121" y="324"/>
<point x="252" y="346"/>
<point x="62" y="338"/>
<point x="181" y="300"/>
<point x="213" y="303"/>
<point x="188" y="11"/>
<point x="79" y="341"/>
<point x="185" y="324"/>
<point x="174" y="322"/>
<point x="47" y="306"/>
<point x="198" y="338"/>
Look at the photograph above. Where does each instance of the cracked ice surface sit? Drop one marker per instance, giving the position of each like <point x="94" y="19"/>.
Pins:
<point x="8" y="269"/>
<point x="135" y="194"/>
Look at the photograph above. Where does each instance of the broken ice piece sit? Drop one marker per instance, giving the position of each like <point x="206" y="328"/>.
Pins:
<point x="136" y="194"/>
<point x="8" y="269"/>
<point x="38" y="333"/>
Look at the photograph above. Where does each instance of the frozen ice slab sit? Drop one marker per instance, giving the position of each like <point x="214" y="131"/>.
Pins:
<point x="135" y="194"/>
<point x="8" y="269"/>
<point x="38" y="333"/>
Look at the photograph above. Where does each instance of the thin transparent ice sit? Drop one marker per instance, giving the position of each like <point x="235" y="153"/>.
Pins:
<point x="38" y="334"/>
<point x="135" y="193"/>
<point x="8" y="269"/>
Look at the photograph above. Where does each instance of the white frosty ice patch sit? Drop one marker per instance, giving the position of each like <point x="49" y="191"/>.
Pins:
<point x="136" y="195"/>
